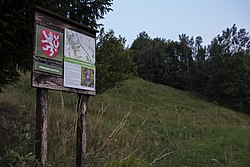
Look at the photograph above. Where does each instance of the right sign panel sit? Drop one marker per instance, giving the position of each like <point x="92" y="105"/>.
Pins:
<point x="79" y="60"/>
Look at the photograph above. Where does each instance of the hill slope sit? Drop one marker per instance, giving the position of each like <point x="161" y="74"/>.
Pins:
<point x="139" y="123"/>
<point x="176" y="128"/>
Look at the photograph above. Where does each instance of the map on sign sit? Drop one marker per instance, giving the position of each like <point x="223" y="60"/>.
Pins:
<point x="79" y="46"/>
<point x="79" y="60"/>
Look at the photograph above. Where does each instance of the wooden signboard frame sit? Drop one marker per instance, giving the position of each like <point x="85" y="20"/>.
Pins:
<point x="49" y="72"/>
<point x="57" y="23"/>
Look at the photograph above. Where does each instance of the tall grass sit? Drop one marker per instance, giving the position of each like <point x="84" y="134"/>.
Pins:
<point x="168" y="127"/>
<point x="140" y="124"/>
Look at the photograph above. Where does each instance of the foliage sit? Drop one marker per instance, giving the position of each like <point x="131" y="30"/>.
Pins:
<point x="16" y="29"/>
<point x="167" y="62"/>
<point x="16" y="44"/>
<point x="16" y="142"/>
<point x="85" y="12"/>
<point x="20" y="156"/>
<point x="113" y="61"/>
<point x="142" y="49"/>
<point x="229" y="68"/>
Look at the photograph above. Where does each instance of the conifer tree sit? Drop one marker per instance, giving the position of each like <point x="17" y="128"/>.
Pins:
<point x="16" y="29"/>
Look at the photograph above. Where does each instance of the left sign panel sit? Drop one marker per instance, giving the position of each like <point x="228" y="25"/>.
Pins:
<point x="49" y="43"/>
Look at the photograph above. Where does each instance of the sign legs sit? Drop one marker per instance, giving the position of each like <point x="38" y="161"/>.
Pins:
<point x="82" y="107"/>
<point x="41" y="125"/>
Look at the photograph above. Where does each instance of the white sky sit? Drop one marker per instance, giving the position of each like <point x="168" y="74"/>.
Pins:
<point x="169" y="18"/>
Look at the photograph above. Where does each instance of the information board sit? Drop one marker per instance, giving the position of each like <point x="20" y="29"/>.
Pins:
<point x="64" y="54"/>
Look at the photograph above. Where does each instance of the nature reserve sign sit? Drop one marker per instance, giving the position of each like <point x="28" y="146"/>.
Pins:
<point x="64" y="54"/>
<point x="64" y="60"/>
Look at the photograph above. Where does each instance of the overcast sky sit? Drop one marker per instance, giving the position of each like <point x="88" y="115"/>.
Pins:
<point x="169" y="18"/>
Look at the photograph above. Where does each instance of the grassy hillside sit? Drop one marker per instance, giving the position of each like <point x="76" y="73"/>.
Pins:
<point x="136" y="124"/>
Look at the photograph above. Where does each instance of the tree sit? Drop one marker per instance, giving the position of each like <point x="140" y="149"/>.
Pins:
<point x="158" y="56"/>
<point x="150" y="57"/>
<point x="113" y="61"/>
<point x="186" y="59"/>
<point x="16" y="29"/>
<point x="142" y="51"/>
<point x="228" y="68"/>
<point x="236" y="86"/>
<point x="86" y="12"/>
<point x="200" y="73"/>
<point x="174" y="75"/>
<point x="165" y="62"/>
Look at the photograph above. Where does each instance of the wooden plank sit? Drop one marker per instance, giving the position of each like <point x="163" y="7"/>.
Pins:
<point x="54" y="82"/>
<point x="41" y="125"/>
<point x="82" y="108"/>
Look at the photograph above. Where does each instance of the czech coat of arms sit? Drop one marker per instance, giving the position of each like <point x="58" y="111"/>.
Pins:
<point x="49" y="42"/>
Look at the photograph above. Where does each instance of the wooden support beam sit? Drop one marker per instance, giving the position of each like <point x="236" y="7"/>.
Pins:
<point x="82" y="108"/>
<point x="41" y="125"/>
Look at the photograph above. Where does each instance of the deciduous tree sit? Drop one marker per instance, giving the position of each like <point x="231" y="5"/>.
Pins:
<point x="113" y="61"/>
<point x="228" y="70"/>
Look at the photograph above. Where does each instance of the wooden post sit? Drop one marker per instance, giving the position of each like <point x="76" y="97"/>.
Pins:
<point x="41" y="125"/>
<point x="82" y="108"/>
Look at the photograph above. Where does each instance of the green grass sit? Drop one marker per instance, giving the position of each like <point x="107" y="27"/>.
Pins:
<point x="175" y="128"/>
<point x="140" y="124"/>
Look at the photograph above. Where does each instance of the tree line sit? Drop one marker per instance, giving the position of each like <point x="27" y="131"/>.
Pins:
<point x="220" y="71"/>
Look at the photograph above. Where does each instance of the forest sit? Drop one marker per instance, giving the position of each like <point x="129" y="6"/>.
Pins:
<point x="219" y="71"/>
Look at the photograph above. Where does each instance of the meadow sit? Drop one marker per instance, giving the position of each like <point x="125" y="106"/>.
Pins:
<point x="135" y="124"/>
